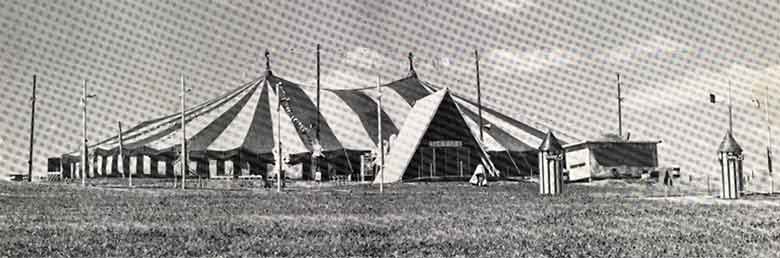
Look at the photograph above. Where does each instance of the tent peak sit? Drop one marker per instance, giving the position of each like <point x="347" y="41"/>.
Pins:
<point x="729" y="144"/>
<point x="550" y="143"/>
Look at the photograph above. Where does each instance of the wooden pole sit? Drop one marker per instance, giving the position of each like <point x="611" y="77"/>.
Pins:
<point x="122" y="156"/>
<point x="479" y="97"/>
<point x="379" y="135"/>
<point x="32" y="134"/>
<point x="620" y="108"/>
<point x="769" y="141"/>
<point x="279" y="133"/>
<point x="85" y="151"/>
<point x="318" y="94"/>
<point x="184" y="159"/>
<point x="731" y="123"/>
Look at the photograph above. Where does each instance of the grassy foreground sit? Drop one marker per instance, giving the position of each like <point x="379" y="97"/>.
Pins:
<point x="507" y="219"/>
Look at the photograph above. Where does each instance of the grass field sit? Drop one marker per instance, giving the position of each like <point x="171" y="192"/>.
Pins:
<point x="507" y="219"/>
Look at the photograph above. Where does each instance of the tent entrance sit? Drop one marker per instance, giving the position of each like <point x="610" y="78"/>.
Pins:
<point x="441" y="163"/>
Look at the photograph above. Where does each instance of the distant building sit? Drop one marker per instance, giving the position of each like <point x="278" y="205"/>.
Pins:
<point x="603" y="159"/>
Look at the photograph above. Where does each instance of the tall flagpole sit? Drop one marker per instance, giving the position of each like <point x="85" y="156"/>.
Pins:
<point x="183" y="157"/>
<point x="731" y="123"/>
<point x="620" y="108"/>
<point x="479" y="97"/>
<point x="32" y="135"/>
<point x="769" y="141"/>
<point x="85" y="151"/>
<point x="318" y="93"/>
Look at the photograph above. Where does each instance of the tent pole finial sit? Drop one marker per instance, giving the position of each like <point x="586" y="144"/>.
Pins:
<point x="267" y="61"/>
<point x="411" y="64"/>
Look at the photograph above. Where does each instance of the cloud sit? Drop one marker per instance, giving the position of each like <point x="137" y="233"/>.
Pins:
<point x="358" y="67"/>
<point x="530" y="61"/>
<point x="502" y="6"/>
<point x="656" y="44"/>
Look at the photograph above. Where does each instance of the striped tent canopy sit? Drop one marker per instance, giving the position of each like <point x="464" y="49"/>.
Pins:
<point x="236" y="133"/>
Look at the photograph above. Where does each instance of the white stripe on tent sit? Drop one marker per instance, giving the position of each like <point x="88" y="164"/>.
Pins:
<point x="147" y="163"/>
<point x="393" y="104"/>
<point x="92" y="169"/>
<point x="109" y="165"/>
<point x="153" y="128"/>
<point x="150" y="130"/>
<point x="212" y="168"/>
<point x="513" y="131"/>
<point x="194" y="126"/>
<point x="409" y="138"/>
<point x="291" y="141"/>
<point x="490" y="143"/>
<point x="229" y="168"/>
<point x="133" y="164"/>
<point x="344" y="123"/>
<point x="161" y="169"/>
<point x="233" y="136"/>
<point x="100" y="164"/>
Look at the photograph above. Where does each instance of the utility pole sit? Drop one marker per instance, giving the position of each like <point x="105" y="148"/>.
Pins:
<point x="183" y="157"/>
<point x="479" y="98"/>
<point x="620" y="108"/>
<point x="32" y="134"/>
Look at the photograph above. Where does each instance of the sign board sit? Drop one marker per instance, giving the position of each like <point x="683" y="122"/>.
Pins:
<point x="445" y="143"/>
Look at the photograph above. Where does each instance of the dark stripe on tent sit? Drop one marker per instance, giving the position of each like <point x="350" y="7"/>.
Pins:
<point x="131" y="133"/>
<point x="409" y="89"/>
<point x="205" y="137"/>
<point x="176" y="120"/>
<point x="533" y="131"/>
<point x="362" y="105"/>
<point x="174" y="127"/>
<point x="306" y="111"/>
<point x="502" y="137"/>
<point x="260" y="138"/>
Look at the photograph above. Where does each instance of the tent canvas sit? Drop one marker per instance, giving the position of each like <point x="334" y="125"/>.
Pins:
<point x="433" y="120"/>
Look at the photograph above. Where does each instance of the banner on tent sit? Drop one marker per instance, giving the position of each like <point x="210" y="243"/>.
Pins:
<point x="441" y="144"/>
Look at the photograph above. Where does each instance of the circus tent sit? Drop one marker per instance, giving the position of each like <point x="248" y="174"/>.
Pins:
<point x="236" y="134"/>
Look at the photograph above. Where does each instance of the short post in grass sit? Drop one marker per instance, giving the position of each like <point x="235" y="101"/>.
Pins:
<point x="551" y="157"/>
<point x="730" y="158"/>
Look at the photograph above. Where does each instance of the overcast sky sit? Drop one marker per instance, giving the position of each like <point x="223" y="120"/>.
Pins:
<point x="551" y="64"/>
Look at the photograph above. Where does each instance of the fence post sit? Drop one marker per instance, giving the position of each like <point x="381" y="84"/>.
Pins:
<point x="708" y="185"/>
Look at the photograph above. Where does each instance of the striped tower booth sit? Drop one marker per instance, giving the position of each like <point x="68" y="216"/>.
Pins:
<point x="551" y="156"/>
<point x="730" y="158"/>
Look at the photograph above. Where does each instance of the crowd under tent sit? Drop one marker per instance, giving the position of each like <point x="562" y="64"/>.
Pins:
<point x="235" y="134"/>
